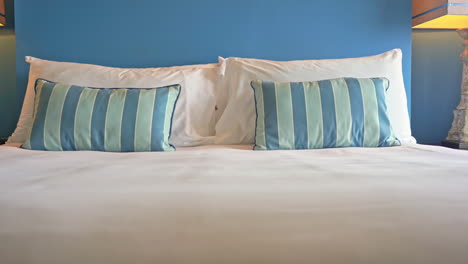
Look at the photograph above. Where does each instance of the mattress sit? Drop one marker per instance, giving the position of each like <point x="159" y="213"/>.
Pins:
<point x="228" y="204"/>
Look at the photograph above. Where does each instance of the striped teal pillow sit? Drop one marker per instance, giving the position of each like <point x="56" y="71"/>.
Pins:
<point x="68" y="117"/>
<point x="345" y="112"/>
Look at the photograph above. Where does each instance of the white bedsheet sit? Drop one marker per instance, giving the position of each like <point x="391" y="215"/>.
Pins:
<point x="232" y="205"/>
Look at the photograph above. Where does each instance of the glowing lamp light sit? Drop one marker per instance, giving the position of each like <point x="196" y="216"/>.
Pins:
<point x="2" y="13"/>
<point x="446" y="22"/>
<point x="449" y="14"/>
<point x="440" y="14"/>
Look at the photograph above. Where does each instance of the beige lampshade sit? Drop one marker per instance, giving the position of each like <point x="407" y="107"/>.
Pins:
<point x="440" y="14"/>
<point x="2" y="13"/>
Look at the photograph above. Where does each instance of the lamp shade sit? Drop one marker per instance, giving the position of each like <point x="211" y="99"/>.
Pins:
<point x="440" y="14"/>
<point x="2" y="13"/>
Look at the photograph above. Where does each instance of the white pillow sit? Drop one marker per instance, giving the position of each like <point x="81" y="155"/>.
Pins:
<point x="194" y="116"/>
<point x="236" y="124"/>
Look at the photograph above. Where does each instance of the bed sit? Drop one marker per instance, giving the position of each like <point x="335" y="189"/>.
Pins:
<point x="229" y="204"/>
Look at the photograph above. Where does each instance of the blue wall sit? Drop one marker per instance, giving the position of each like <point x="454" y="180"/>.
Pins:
<point x="437" y="74"/>
<point x="151" y="33"/>
<point x="8" y="101"/>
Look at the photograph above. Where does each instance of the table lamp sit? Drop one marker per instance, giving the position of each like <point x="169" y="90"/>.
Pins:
<point x="449" y="14"/>
<point x="2" y="13"/>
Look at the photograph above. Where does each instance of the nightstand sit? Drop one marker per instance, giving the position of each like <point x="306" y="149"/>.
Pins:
<point x="455" y="145"/>
<point x="3" y="140"/>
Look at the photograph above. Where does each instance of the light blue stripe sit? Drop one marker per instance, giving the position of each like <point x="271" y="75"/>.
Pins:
<point x="299" y="116"/>
<point x="98" y="121"/>
<point x="159" y="112"/>
<point x="313" y="104"/>
<point x="285" y="115"/>
<point x="67" y="128"/>
<point x="271" y="116"/>
<point x="371" y="113"/>
<point x="129" y="120"/>
<point x="54" y="116"/>
<point x="357" y="111"/>
<point x="83" y="118"/>
<point x="329" y="115"/>
<point x="344" y="121"/>
<point x="113" y="124"/>
<point x="37" y="133"/>
<point x="144" y="119"/>
<point x="385" y="129"/>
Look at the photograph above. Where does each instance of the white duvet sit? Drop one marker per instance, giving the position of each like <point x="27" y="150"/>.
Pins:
<point x="233" y="205"/>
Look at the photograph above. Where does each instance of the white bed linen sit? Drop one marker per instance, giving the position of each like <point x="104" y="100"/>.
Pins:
<point x="231" y="205"/>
